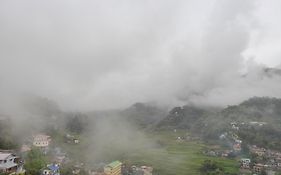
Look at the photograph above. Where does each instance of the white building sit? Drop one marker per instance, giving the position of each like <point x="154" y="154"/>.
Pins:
<point x="41" y="140"/>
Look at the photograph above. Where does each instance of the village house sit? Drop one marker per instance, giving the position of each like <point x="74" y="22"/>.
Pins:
<point x="226" y="153"/>
<point x="258" y="151"/>
<point x="143" y="170"/>
<point x="10" y="163"/>
<point x="223" y="136"/>
<point x="255" y="123"/>
<point x="274" y="154"/>
<point x="71" y="139"/>
<point x="114" y="168"/>
<point x="147" y="170"/>
<point x="234" y="126"/>
<point x="236" y="147"/>
<point x="238" y="141"/>
<point x="257" y="168"/>
<point x="245" y="163"/>
<point x="136" y="170"/>
<point x="41" y="140"/>
<point x="51" y="169"/>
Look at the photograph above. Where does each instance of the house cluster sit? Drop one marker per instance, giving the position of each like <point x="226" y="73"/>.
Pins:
<point x="237" y="125"/>
<point x="231" y="140"/>
<point x="266" y="160"/>
<point x="143" y="170"/>
<point x="113" y="168"/>
<point x="219" y="153"/>
<point x="10" y="163"/>
<point x="118" y="168"/>
<point x="51" y="169"/>
<point x="71" y="139"/>
<point x="42" y="141"/>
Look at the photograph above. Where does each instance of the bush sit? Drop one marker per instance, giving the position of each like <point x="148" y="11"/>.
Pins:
<point x="210" y="167"/>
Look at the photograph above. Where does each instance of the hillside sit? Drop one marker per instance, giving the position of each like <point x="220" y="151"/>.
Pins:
<point x="259" y="119"/>
<point x="144" y="115"/>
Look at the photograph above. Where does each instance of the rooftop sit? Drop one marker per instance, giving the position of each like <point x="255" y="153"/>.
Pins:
<point x="53" y="167"/>
<point x="114" y="164"/>
<point x="4" y="156"/>
<point x="8" y="165"/>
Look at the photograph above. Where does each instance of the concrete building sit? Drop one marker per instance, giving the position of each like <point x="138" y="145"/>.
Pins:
<point x="245" y="163"/>
<point x="41" y="140"/>
<point x="114" y="168"/>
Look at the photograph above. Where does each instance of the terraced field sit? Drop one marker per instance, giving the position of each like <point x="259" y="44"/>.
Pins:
<point x="177" y="158"/>
<point x="168" y="157"/>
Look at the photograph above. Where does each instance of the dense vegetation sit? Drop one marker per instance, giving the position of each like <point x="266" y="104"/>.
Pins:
<point x="210" y="123"/>
<point x="35" y="161"/>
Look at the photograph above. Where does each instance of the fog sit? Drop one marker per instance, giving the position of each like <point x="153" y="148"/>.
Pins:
<point x="92" y="55"/>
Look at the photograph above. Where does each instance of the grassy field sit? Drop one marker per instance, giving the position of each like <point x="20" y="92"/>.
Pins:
<point x="177" y="157"/>
<point x="168" y="157"/>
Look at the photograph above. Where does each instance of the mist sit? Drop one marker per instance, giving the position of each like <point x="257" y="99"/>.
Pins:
<point x="94" y="55"/>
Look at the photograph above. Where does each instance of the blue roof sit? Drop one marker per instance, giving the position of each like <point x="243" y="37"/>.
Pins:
<point x="53" y="167"/>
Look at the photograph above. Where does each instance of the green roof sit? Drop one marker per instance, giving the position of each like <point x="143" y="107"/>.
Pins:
<point x="114" y="164"/>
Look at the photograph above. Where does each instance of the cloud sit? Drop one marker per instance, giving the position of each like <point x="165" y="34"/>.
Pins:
<point x="105" y="54"/>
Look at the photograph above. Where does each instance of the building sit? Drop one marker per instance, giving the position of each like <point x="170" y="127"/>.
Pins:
<point x="147" y="170"/>
<point x="255" y="123"/>
<point x="237" y="147"/>
<point x="143" y="170"/>
<point x="245" y="163"/>
<point x="114" y="168"/>
<point x="258" y="151"/>
<point x="257" y="168"/>
<point x="71" y="139"/>
<point x="41" y="140"/>
<point x="10" y="163"/>
<point x="52" y="169"/>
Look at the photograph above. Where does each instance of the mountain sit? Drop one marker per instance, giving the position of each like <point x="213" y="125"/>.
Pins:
<point x="263" y="109"/>
<point x="183" y="117"/>
<point x="144" y="114"/>
<point x="255" y="109"/>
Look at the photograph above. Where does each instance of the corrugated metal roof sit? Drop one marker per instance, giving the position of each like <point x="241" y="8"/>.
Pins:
<point x="53" y="167"/>
<point x="8" y="165"/>
<point x="4" y="156"/>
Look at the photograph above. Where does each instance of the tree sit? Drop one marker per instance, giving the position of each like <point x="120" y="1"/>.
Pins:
<point x="35" y="161"/>
<point x="77" y="123"/>
<point x="211" y="167"/>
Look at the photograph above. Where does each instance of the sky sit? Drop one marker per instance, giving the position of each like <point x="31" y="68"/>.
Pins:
<point x="89" y="55"/>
